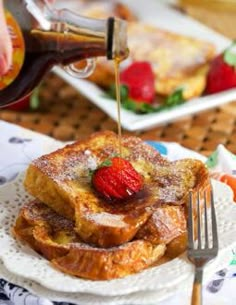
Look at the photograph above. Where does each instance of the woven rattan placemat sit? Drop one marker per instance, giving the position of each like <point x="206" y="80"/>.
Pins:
<point x="66" y="115"/>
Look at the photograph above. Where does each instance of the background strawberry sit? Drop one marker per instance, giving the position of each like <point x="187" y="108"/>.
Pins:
<point x="29" y="102"/>
<point x="140" y="80"/>
<point x="23" y="104"/>
<point x="117" y="179"/>
<point x="222" y="73"/>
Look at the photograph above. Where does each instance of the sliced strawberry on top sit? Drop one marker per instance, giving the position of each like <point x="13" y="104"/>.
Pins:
<point x="222" y="73"/>
<point x="118" y="180"/>
<point x="140" y="80"/>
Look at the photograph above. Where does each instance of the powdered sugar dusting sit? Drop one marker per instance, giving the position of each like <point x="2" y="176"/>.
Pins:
<point x="107" y="219"/>
<point x="39" y="212"/>
<point x="140" y="150"/>
<point x="74" y="165"/>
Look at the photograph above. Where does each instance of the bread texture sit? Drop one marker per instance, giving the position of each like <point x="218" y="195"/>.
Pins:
<point x="53" y="236"/>
<point x="62" y="180"/>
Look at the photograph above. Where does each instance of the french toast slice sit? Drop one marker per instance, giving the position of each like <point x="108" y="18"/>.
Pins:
<point x="53" y="236"/>
<point x="165" y="224"/>
<point x="62" y="180"/>
<point x="168" y="224"/>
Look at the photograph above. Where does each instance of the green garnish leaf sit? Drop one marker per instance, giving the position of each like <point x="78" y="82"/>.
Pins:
<point x="146" y="108"/>
<point x="230" y="54"/>
<point x="176" y="98"/>
<point x="130" y="105"/>
<point x="124" y="92"/>
<point x="106" y="162"/>
<point x="90" y="173"/>
<point x="34" y="99"/>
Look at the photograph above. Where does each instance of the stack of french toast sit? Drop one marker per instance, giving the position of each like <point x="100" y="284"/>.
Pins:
<point x="85" y="234"/>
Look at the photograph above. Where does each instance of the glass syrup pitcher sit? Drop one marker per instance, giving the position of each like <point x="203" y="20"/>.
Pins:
<point x="43" y="37"/>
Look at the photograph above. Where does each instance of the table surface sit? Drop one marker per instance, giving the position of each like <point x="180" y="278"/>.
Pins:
<point x="65" y="115"/>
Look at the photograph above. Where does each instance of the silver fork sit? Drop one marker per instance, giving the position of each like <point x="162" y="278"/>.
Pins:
<point x="203" y="249"/>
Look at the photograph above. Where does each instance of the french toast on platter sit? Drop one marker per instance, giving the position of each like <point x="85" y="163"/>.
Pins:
<point x="177" y="60"/>
<point x="76" y="228"/>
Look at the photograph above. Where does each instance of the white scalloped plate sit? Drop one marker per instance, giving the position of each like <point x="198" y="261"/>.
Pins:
<point x="22" y="261"/>
<point x="140" y="298"/>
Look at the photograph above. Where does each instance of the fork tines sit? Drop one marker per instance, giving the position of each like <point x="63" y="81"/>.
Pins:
<point x="202" y="224"/>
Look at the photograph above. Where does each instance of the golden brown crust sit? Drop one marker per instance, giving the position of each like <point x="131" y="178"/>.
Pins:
<point x="168" y="222"/>
<point x="193" y="85"/>
<point x="177" y="246"/>
<point x="54" y="237"/>
<point x="62" y="181"/>
<point x="111" y="263"/>
<point x="165" y="224"/>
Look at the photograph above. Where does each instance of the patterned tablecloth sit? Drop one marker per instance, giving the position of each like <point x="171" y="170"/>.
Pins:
<point x="20" y="146"/>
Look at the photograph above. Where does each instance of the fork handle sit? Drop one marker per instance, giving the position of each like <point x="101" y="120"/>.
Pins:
<point x="197" y="287"/>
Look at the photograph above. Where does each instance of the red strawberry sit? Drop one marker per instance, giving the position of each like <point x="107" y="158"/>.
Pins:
<point x="23" y="104"/>
<point x="31" y="101"/>
<point x="222" y="73"/>
<point x="140" y="80"/>
<point x="117" y="180"/>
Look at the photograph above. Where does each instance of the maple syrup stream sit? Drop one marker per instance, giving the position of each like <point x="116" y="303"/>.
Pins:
<point x="117" y="61"/>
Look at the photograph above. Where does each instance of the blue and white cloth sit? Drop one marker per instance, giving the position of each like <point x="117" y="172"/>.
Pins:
<point x="20" y="146"/>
